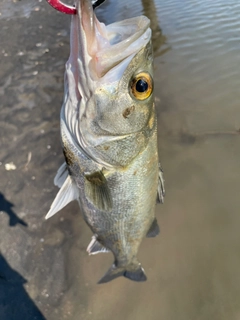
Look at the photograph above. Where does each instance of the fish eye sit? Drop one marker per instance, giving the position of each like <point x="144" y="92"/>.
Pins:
<point x="141" y="86"/>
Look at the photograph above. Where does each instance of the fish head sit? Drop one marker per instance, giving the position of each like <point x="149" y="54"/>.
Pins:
<point x="109" y="77"/>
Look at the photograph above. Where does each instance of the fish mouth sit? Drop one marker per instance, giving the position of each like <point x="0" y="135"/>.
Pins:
<point x="101" y="47"/>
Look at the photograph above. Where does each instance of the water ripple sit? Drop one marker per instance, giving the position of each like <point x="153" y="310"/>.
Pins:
<point x="202" y="67"/>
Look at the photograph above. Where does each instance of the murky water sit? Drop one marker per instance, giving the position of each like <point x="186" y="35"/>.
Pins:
<point x="193" y="266"/>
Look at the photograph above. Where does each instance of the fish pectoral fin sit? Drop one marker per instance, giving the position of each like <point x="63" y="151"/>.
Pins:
<point x="95" y="246"/>
<point x="133" y="272"/>
<point x="161" y="188"/>
<point x="154" y="230"/>
<point x="66" y="194"/>
<point x="61" y="175"/>
<point x="97" y="191"/>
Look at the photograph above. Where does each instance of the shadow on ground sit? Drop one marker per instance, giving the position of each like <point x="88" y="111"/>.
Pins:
<point x="15" y="303"/>
<point x="6" y="207"/>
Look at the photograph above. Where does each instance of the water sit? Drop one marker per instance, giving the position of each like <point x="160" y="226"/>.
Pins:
<point x="193" y="266"/>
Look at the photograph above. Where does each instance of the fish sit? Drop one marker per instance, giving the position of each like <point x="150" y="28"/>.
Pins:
<point x="108" y="129"/>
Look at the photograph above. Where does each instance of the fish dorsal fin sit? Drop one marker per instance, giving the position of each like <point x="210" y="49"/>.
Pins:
<point x="66" y="194"/>
<point x="95" y="246"/>
<point x="97" y="191"/>
<point x="61" y="175"/>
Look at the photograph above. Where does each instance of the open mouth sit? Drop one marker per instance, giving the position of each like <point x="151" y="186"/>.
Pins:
<point x="109" y="45"/>
<point x="102" y="47"/>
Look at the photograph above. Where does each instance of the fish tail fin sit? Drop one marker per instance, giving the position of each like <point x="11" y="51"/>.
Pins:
<point x="133" y="271"/>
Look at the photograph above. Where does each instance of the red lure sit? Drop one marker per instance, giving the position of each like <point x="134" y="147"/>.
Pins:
<point x="62" y="7"/>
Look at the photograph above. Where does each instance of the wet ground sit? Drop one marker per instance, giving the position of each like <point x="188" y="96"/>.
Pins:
<point x="193" y="266"/>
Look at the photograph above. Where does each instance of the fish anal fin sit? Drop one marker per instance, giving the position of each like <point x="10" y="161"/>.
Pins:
<point x="97" y="191"/>
<point x="95" y="246"/>
<point x="154" y="230"/>
<point x="66" y="194"/>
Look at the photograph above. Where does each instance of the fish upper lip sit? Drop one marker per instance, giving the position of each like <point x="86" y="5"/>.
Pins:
<point x="85" y="24"/>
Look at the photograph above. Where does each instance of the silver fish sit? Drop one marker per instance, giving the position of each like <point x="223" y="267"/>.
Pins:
<point x="109" y="137"/>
